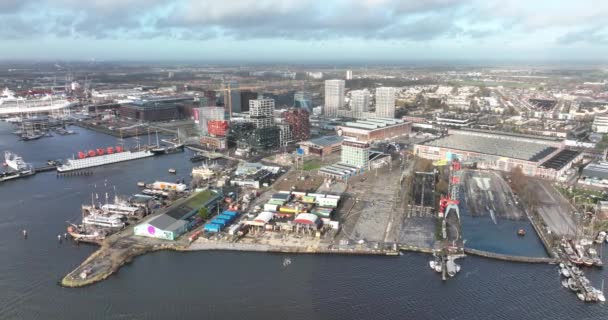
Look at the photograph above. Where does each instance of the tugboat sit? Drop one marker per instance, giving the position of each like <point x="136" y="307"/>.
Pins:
<point x="521" y="232"/>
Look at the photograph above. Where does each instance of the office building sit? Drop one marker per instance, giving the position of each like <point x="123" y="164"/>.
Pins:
<point x="359" y="102"/>
<point x="600" y="123"/>
<point x="303" y="100"/>
<point x="349" y="74"/>
<point x="247" y="96"/>
<point x="355" y="153"/>
<point x="261" y="112"/>
<point x="385" y="102"/>
<point x="334" y="97"/>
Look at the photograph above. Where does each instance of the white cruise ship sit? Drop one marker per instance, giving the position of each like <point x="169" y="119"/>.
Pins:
<point x="101" y="160"/>
<point x="10" y="104"/>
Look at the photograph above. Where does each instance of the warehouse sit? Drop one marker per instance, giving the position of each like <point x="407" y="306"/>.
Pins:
<point x="375" y="129"/>
<point x="157" y="109"/>
<point x="543" y="157"/>
<point x="179" y="218"/>
<point x="322" y="146"/>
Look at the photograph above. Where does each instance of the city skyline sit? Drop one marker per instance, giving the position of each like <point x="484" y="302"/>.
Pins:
<point x="303" y="30"/>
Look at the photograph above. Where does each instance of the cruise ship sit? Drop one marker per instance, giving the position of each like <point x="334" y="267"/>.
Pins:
<point x="10" y="104"/>
<point x="102" y="157"/>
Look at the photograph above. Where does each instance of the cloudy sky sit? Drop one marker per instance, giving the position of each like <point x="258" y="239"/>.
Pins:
<point x="292" y="30"/>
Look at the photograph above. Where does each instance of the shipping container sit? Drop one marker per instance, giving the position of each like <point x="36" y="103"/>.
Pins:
<point x="211" y="227"/>
<point x="233" y="214"/>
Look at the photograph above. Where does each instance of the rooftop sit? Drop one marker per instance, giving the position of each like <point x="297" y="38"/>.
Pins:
<point x="561" y="159"/>
<point x="494" y="145"/>
<point x="326" y="141"/>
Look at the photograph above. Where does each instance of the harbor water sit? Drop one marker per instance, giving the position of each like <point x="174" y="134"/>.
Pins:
<point x="234" y="285"/>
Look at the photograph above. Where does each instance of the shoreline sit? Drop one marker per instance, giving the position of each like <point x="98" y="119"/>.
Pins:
<point x="73" y="279"/>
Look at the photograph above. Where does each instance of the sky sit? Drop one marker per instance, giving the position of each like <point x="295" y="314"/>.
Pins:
<point x="304" y="30"/>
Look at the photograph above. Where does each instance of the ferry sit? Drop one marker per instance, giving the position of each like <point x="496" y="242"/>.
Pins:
<point x="101" y="157"/>
<point x="115" y="221"/>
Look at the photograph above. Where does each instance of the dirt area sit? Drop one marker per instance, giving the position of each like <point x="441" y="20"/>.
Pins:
<point x="377" y="206"/>
<point x="486" y="193"/>
<point x="553" y="208"/>
<point x="293" y="178"/>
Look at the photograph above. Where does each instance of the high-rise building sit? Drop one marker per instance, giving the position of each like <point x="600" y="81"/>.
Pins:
<point x="385" y="102"/>
<point x="359" y="102"/>
<point x="334" y="97"/>
<point x="298" y="120"/>
<point x="232" y="97"/>
<point x="286" y="134"/>
<point x="247" y="96"/>
<point x="303" y="100"/>
<point x="355" y="153"/>
<point x="261" y="112"/>
<point x="349" y="74"/>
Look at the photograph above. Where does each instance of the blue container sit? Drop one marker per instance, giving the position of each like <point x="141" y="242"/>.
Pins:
<point x="211" y="227"/>
<point x="233" y="214"/>
<point x="219" y="222"/>
<point x="226" y="217"/>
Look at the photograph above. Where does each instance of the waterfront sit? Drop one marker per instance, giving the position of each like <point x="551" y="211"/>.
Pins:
<point x="229" y="285"/>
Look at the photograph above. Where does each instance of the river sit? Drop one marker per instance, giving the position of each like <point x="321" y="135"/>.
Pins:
<point x="231" y="285"/>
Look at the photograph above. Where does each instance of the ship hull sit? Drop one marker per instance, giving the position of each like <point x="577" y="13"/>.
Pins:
<point x="103" y="160"/>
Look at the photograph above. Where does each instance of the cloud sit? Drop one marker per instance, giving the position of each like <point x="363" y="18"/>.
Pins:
<point x="410" y="20"/>
<point x="596" y="35"/>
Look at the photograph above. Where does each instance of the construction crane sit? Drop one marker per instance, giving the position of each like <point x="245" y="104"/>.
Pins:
<point x="228" y="90"/>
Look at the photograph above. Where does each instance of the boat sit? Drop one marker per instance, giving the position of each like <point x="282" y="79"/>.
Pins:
<point x="565" y="283"/>
<point x="101" y="157"/>
<point x="521" y="232"/>
<point x="588" y="262"/>
<point x="11" y="104"/>
<point x="452" y="267"/>
<point x="15" y="162"/>
<point x="173" y="148"/>
<point x="580" y="296"/>
<point x="601" y="237"/>
<point x="565" y="272"/>
<point x="79" y="233"/>
<point x="572" y="285"/>
<point x="141" y="184"/>
<point x="115" y="221"/>
<point x="32" y="136"/>
<point x="173" y="171"/>
<point x="286" y="262"/>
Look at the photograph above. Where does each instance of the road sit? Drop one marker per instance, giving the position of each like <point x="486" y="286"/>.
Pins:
<point x="553" y="208"/>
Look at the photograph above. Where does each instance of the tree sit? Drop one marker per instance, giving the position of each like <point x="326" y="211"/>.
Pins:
<point x="442" y="186"/>
<point x="518" y="179"/>
<point x="203" y="213"/>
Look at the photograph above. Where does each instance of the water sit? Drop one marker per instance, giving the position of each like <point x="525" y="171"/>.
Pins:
<point x="231" y="285"/>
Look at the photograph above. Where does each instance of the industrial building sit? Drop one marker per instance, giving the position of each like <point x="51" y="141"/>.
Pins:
<point x="179" y="218"/>
<point x="334" y="97"/>
<point x="375" y="129"/>
<point x="537" y="156"/>
<point x="322" y="146"/>
<point x="158" y="109"/>
<point x="298" y="120"/>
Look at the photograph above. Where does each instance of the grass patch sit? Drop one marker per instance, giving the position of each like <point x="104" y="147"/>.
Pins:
<point x="200" y="198"/>
<point x="311" y="165"/>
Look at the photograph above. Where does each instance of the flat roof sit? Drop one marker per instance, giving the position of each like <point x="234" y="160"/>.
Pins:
<point x="326" y="141"/>
<point x="495" y="146"/>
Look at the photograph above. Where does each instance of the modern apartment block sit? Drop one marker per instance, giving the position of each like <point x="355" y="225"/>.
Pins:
<point x="385" y="102"/>
<point x="334" y="97"/>
<point x="261" y="112"/>
<point x="359" y="102"/>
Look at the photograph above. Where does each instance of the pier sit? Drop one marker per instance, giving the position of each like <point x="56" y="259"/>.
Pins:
<point x="504" y="257"/>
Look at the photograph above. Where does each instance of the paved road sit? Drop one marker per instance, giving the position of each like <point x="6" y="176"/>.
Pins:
<point x="554" y="208"/>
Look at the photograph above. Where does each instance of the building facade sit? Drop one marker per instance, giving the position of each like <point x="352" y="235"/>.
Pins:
<point x="359" y="102"/>
<point x="355" y="153"/>
<point x="298" y="120"/>
<point x="385" y="102"/>
<point x="261" y="112"/>
<point x="375" y="129"/>
<point x="334" y="97"/>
